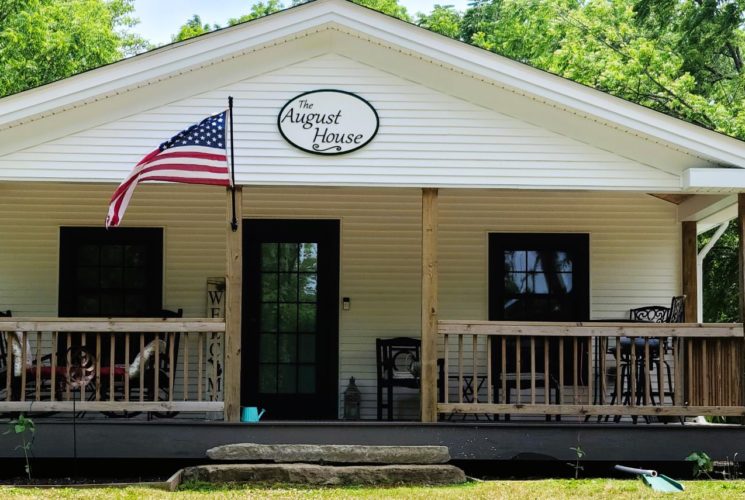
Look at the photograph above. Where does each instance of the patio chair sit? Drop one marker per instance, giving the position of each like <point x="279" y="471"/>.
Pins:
<point x="657" y="352"/>
<point x="142" y="365"/>
<point x="13" y="342"/>
<point x="397" y="363"/>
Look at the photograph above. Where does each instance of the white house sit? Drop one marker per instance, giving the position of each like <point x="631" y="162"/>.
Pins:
<point x="513" y="206"/>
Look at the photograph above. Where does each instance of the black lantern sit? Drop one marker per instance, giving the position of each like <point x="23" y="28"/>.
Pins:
<point x="352" y="398"/>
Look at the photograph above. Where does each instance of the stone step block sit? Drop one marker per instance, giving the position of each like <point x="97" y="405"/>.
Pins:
<point x="335" y="454"/>
<point x="326" y="475"/>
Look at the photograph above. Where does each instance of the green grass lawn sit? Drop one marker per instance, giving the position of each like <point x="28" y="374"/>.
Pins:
<point x="538" y="489"/>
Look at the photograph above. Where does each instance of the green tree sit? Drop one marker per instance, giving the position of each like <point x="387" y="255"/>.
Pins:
<point x="45" y="40"/>
<point x="259" y="9"/>
<point x="444" y="19"/>
<point x="720" y="271"/>
<point x="193" y="27"/>
<point x="390" y="7"/>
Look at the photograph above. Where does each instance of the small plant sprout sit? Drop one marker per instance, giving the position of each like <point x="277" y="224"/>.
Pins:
<point x="25" y="427"/>
<point x="579" y="452"/>
<point x="702" y="463"/>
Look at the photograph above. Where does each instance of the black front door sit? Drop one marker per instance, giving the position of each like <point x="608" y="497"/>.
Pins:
<point x="291" y="318"/>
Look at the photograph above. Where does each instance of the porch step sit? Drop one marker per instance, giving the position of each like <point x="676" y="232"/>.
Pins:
<point x="326" y="453"/>
<point x="325" y="475"/>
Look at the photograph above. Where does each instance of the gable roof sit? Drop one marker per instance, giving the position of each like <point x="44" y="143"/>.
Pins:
<point x="485" y="78"/>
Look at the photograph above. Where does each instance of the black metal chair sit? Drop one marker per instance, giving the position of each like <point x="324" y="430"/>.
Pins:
<point x="398" y="366"/>
<point x="657" y="352"/>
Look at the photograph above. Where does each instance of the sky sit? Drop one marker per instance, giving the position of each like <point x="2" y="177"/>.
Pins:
<point x="159" y="19"/>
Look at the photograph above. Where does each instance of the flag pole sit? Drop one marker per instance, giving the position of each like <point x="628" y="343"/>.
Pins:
<point x="234" y="222"/>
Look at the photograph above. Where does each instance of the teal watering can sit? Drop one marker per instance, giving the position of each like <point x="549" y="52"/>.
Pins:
<point x="251" y="414"/>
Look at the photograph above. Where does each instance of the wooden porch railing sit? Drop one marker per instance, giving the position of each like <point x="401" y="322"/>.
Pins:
<point x="115" y="365"/>
<point x="592" y="368"/>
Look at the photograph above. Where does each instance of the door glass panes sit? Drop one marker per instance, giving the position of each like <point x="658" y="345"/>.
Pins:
<point x="288" y="322"/>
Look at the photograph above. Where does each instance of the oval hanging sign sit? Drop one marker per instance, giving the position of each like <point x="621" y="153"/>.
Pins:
<point x="328" y="122"/>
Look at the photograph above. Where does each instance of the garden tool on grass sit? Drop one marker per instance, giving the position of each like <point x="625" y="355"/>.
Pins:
<point x="658" y="482"/>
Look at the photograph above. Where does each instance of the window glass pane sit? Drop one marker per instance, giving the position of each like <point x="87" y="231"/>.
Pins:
<point x="87" y="277"/>
<point x="514" y="283"/>
<point x="87" y="304"/>
<point x="112" y="255"/>
<point x="268" y="348"/>
<point x="112" y="304"/>
<point x="88" y="255"/>
<point x="563" y="262"/>
<point x="268" y="317"/>
<point x="135" y="304"/>
<point x="565" y="282"/>
<point x="308" y="283"/>
<point x="268" y="378"/>
<point x="135" y="278"/>
<point x="288" y="287"/>
<point x="287" y="348"/>
<point x="537" y="283"/>
<point x="513" y="309"/>
<point x="286" y="379"/>
<point x="306" y="383"/>
<point x="268" y="287"/>
<point x="307" y="318"/>
<point x="135" y="255"/>
<point x="537" y="305"/>
<point x="288" y="317"/>
<point x="308" y="257"/>
<point x="269" y="257"/>
<point x="307" y="350"/>
<point x="288" y="256"/>
<point x="514" y="260"/>
<point x="111" y="277"/>
<point x="561" y="309"/>
<point x="535" y="262"/>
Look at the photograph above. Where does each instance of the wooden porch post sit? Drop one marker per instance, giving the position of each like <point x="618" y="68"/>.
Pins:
<point x="741" y="281"/>
<point x="429" y="305"/>
<point x="690" y="271"/>
<point x="741" y="252"/>
<point x="233" y="290"/>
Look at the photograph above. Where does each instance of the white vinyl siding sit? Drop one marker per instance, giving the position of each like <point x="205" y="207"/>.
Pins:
<point x="634" y="250"/>
<point x="426" y="137"/>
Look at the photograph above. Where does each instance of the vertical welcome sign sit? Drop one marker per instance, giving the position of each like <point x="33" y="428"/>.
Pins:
<point x="215" y="348"/>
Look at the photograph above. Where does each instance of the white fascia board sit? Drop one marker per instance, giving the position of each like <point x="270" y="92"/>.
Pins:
<point x="713" y="180"/>
<point x="701" y="206"/>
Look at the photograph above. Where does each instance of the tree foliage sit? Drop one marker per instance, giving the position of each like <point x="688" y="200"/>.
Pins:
<point x="44" y="40"/>
<point x="194" y="27"/>
<point x="720" y="271"/>
<point x="444" y="19"/>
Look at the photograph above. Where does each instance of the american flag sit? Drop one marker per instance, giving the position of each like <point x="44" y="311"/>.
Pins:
<point x="197" y="155"/>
